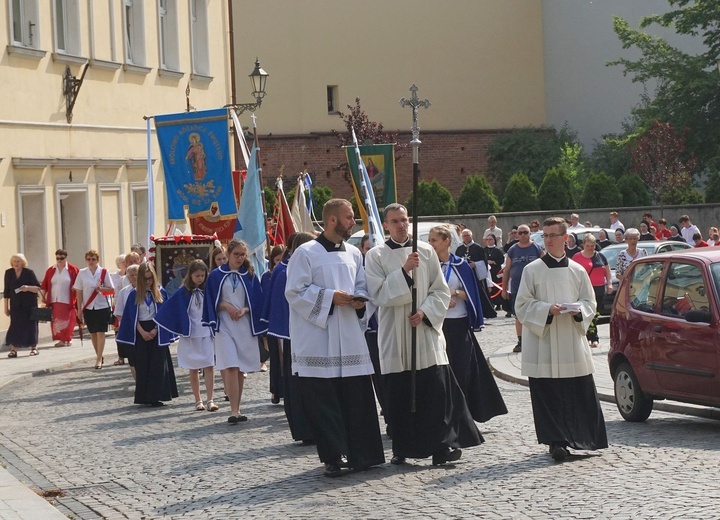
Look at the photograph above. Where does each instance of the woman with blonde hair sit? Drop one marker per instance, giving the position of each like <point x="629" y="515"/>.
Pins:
<point x="155" y="377"/>
<point x="232" y="308"/>
<point x="93" y="285"/>
<point x="20" y="295"/>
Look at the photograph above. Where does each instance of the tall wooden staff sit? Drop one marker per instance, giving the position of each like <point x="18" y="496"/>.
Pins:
<point x="415" y="103"/>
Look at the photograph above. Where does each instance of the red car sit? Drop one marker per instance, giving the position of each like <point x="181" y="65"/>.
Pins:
<point x="665" y="332"/>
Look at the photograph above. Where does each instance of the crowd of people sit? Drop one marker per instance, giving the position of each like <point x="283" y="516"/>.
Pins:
<point x="349" y="329"/>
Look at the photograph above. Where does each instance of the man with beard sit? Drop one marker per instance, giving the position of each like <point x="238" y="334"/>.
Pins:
<point x="441" y="423"/>
<point x="326" y="292"/>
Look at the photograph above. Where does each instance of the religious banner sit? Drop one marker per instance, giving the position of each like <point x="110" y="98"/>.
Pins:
<point x="195" y="151"/>
<point x="379" y="160"/>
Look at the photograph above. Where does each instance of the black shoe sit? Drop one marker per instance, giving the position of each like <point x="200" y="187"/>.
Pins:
<point x="308" y="442"/>
<point x="342" y="462"/>
<point x="518" y="347"/>
<point x="332" y="470"/>
<point x="157" y="404"/>
<point x="559" y="453"/>
<point x="226" y="397"/>
<point x="398" y="461"/>
<point x="446" y="456"/>
<point x="508" y="315"/>
<point x="233" y="420"/>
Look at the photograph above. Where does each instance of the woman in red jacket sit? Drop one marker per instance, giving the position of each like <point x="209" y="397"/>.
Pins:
<point x="57" y="287"/>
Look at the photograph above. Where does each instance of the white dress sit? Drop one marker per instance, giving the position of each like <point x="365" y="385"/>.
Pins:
<point x="196" y="351"/>
<point x="235" y="346"/>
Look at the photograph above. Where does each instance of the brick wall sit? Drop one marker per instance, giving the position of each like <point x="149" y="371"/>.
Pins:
<point x="446" y="156"/>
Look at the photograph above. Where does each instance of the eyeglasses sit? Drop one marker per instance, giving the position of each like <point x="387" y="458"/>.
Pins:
<point x="546" y="236"/>
<point x="523" y="232"/>
<point x="60" y="257"/>
<point x="93" y="259"/>
<point x="149" y="278"/>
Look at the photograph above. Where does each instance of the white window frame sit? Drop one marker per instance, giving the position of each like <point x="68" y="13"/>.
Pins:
<point x="134" y="32"/>
<point x="134" y="187"/>
<point x="199" y="38"/>
<point x="168" y="35"/>
<point x="26" y="13"/>
<point x="110" y="188"/>
<point x="30" y="190"/>
<point x="62" y="189"/>
<point x="66" y="22"/>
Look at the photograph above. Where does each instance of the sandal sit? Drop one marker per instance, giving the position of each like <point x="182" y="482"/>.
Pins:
<point x="199" y="406"/>
<point x="12" y="354"/>
<point x="59" y="344"/>
<point x="211" y="406"/>
<point x="119" y="362"/>
<point x="33" y="352"/>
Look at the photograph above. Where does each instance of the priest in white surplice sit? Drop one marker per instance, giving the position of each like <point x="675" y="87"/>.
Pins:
<point x="326" y="291"/>
<point x="556" y="356"/>
<point x="442" y="423"/>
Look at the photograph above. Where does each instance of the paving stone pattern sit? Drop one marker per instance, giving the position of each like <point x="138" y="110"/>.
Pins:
<point x="77" y="430"/>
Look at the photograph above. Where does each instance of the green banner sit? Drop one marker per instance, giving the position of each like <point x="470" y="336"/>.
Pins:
<point x="379" y="160"/>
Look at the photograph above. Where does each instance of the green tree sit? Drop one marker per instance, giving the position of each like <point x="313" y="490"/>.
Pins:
<point x="433" y="199"/>
<point x="634" y="192"/>
<point x="600" y="191"/>
<point x="321" y="194"/>
<point x="270" y="199"/>
<point x="677" y="195"/>
<point x="520" y="194"/>
<point x="687" y="95"/>
<point x="532" y="151"/>
<point x="571" y="163"/>
<point x="477" y="197"/>
<point x="611" y="155"/>
<point x="712" y="189"/>
<point x="556" y="191"/>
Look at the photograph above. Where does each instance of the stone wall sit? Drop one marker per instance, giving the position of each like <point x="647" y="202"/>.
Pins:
<point x="448" y="156"/>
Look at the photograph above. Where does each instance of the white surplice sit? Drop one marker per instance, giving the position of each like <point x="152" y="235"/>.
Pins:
<point x="326" y="344"/>
<point x="390" y="291"/>
<point x="558" y="349"/>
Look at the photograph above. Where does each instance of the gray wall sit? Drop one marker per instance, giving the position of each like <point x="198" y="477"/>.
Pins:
<point x="578" y="41"/>
<point x="702" y="215"/>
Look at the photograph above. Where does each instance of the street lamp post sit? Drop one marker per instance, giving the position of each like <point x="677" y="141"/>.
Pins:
<point x="258" y="77"/>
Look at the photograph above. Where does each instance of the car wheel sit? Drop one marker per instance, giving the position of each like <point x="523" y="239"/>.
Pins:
<point x="632" y="403"/>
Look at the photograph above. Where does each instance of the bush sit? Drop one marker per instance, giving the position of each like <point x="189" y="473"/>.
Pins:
<point x="270" y="199"/>
<point x="556" y="191"/>
<point x="520" y="194"/>
<point x="634" y="192"/>
<point x="433" y="199"/>
<point x="611" y="156"/>
<point x="321" y="194"/>
<point x="682" y="195"/>
<point x="530" y="150"/>
<point x="477" y="197"/>
<point x="712" y="190"/>
<point x="600" y="192"/>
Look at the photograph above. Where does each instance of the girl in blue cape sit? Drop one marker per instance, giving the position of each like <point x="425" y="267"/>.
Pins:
<point x="182" y="315"/>
<point x="155" y="380"/>
<point x="232" y="309"/>
<point x="463" y="318"/>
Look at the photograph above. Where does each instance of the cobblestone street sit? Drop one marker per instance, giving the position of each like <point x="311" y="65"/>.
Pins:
<point x="77" y="430"/>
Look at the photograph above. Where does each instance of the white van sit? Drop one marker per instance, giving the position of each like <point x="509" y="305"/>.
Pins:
<point x="423" y="232"/>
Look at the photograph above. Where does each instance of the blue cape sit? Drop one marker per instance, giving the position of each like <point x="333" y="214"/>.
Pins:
<point x="174" y="315"/>
<point x="469" y="282"/>
<point x="276" y="311"/>
<point x="127" y="332"/>
<point x="253" y="295"/>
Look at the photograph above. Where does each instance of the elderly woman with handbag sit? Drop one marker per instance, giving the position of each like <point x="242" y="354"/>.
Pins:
<point x="57" y="286"/>
<point x="20" y="296"/>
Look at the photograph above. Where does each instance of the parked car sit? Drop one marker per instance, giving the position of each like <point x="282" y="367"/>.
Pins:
<point x="650" y="247"/>
<point x="423" y="232"/>
<point x="665" y="332"/>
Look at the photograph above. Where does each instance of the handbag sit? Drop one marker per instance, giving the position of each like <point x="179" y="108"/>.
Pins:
<point x="41" y="314"/>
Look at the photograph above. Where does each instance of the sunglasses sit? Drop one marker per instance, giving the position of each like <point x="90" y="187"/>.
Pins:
<point x="523" y="232"/>
<point x="93" y="259"/>
<point x="60" y="257"/>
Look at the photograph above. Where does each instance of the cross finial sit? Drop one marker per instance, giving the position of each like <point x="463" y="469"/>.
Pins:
<point x="254" y="117"/>
<point x="415" y="103"/>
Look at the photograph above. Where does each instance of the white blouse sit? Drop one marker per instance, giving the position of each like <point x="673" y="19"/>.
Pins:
<point x="88" y="282"/>
<point x="60" y="286"/>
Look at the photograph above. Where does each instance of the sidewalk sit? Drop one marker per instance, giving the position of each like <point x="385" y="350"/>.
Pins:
<point x="17" y="500"/>
<point x="506" y="365"/>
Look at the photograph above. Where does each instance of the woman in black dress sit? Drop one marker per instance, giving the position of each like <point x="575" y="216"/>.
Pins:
<point x="20" y="294"/>
<point x="495" y="259"/>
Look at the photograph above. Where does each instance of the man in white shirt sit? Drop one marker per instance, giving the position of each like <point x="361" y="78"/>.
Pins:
<point x="493" y="229"/>
<point x="615" y="221"/>
<point x="688" y="229"/>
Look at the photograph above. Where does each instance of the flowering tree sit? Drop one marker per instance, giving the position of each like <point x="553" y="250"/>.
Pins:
<point x="659" y="159"/>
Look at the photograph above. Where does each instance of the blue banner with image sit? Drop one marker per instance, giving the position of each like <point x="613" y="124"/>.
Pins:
<point x="195" y="152"/>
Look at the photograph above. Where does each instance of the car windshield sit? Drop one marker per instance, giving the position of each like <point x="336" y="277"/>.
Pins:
<point x="715" y="270"/>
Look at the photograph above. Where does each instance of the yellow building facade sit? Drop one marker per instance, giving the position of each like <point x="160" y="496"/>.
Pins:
<point x="82" y="183"/>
